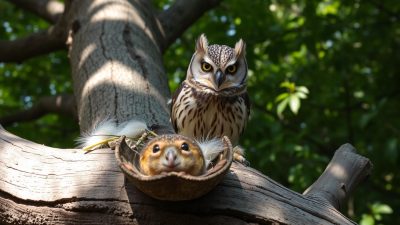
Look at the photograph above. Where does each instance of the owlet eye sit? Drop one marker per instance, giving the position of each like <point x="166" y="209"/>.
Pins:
<point x="206" y="67"/>
<point x="231" y="69"/>
<point x="185" y="146"/>
<point x="156" y="148"/>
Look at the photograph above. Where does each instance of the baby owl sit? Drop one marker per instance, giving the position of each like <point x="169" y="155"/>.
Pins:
<point x="212" y="101"/>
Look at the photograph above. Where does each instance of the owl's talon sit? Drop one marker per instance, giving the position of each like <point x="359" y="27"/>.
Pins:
<point x="238" y="156"/>
<point x="240" y="159"/>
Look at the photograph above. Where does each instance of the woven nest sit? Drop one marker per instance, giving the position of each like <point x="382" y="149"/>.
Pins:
<point x="173" y="186"/>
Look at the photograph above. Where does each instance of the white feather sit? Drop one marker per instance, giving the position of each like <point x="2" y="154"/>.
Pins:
<point x="108" y="128"/>
<point x="211" y="149"/>
<point x="100" y="132"/>
<point x="132" y="128"/>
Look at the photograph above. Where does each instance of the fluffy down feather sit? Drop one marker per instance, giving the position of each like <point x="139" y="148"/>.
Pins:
<point x="108" y="128"/>
<point x="211" y="149"/>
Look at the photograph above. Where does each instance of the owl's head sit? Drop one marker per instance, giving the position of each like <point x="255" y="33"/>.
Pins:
<point x="218" y="67"/>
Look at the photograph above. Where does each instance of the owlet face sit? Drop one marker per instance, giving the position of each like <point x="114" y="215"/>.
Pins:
<point x="218" y="67"/>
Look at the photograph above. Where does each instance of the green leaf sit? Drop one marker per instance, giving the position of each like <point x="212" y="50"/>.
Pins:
<point x="294" y="103"/>
<point x="282" y="96"/>
<point x="281" y="107"/>
<point x="378" y="208"/>
<point x="302" y="89"/>
<point x="367" y="220"/>
<point x="301" y="95"/>
<point x="378" y="217"/>
<point x="289" y="85"/>
<point x="285" y="84"/>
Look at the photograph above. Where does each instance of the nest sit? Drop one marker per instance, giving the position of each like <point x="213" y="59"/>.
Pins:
<point x="173" y="186"/>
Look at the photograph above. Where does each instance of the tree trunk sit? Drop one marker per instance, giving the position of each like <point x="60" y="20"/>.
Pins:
<point x="116" y="63"/>
<point x="115" y="50"/>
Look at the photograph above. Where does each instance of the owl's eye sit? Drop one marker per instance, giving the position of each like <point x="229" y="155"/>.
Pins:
<point x="206" y="67"/>
<point x="156" y="148"/>
<point x="231" y="69"/>
<point x="185" y="146"/>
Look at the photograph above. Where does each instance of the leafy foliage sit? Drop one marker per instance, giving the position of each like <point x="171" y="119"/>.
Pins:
<point x="291" y="97"/>
<point x="21" y="85"/>
<point x="337" y="62"/>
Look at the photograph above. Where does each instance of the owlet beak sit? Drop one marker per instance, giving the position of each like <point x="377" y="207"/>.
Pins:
<point x="219" y="78"/>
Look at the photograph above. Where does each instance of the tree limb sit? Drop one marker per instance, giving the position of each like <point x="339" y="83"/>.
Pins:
<point x="49" y="10"/>
<point x="36" y="44"/>
<point x="64" y="186"/>
<point x="60" y="104"/>
<point x="183" y="13"/>
<point x="347" y="169"/>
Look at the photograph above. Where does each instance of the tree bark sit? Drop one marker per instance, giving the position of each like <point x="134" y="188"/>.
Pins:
<point x="116" y="63"/>
<point x="43" y="185"/>
<point x="115" y="49"/>
<point x="335" y="191"/>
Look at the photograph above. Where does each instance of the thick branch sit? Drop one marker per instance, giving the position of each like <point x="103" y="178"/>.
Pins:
<point x="60" y="104"/>
<point x="183" y="13"/>
<point x="36" y="44"/>
<point x="49" y="10"/>
<point x="345" y="171"/>
<point x="63" y="186"/>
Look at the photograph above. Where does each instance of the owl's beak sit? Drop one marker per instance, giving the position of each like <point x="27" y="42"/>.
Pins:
<point x="219" y="78"/>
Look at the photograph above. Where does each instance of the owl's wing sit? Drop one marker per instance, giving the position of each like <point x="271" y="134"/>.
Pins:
<point x="174" y="98"/>
<point x="246" y="99"/>
<point x="247" y="103"/>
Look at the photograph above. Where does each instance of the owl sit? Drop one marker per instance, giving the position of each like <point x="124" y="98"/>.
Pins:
<point x="212" y="101"/>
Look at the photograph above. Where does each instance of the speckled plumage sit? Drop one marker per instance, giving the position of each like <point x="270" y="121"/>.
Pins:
<point x="204" y="109"/>
<point x="220" y="54"/>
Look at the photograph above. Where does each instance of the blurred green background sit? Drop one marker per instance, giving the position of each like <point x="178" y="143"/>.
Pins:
<point x="322" y="73"/>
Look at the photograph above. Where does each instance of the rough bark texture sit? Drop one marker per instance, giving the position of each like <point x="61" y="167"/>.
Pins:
<point x="116" y="63"/>
<point x="43" y="185"/>
<point x="335" y="191"/>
